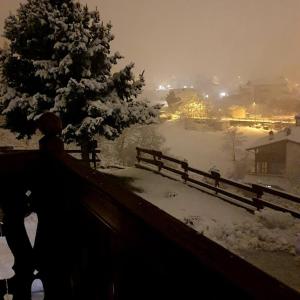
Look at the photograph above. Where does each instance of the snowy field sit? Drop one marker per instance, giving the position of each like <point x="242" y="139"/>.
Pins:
<point x="266" y="239"/>
<point x="204" y="148"/>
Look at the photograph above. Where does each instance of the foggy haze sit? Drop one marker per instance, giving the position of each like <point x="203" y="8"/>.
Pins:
<point x="190" y="38"/>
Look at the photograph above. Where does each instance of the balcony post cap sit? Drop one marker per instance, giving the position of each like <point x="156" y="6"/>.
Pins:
<point x="49" y="124"/>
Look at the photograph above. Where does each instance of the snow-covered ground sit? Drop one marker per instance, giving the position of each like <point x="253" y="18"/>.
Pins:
<point x="204" y="148"/>
<point x="266" y="239"/>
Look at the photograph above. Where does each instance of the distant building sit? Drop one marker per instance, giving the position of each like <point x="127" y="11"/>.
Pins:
<point x="261" y="91"/>
<point x="277" y="156"/>
<point x="266" y="98"/>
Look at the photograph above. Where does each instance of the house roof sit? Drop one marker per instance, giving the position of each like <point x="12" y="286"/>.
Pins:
<point x="280" y="136"/>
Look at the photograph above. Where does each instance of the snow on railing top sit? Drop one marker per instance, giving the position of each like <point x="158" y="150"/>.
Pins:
<point x="157" y="158"/>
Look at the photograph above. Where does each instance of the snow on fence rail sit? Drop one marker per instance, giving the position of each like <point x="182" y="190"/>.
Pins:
<point x="157" y="158"/>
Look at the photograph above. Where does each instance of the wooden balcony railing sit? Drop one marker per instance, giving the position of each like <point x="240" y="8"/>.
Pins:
<point x="97" y="240"/>
<point x="93" y="155"/>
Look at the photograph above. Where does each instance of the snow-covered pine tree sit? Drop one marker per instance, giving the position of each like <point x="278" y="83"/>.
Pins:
<point x="59" y="59"/>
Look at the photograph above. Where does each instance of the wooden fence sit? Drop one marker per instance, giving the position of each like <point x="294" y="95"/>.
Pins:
<point x="182" y="168"/>
<point x="93" y="159"/>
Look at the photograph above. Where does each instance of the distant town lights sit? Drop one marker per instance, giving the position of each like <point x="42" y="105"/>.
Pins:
<point x="223" y="94"/>
<point x="162" y="87"/>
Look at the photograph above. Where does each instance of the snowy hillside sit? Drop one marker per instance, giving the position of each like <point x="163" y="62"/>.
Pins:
<point x="267" y="239"/>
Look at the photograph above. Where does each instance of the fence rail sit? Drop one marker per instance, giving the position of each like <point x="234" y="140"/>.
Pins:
<point x="158" y="159"/>
<point x="94" y="159"/>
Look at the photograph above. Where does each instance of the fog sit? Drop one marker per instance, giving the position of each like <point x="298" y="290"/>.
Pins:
<point x="191" y="38"/>
<point x="224" y="148"/>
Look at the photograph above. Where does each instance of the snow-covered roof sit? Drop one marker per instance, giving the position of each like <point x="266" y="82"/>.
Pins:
<point x="294" y="137"/>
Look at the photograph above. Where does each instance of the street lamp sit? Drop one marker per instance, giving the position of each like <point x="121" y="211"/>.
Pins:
<point x="254" y="108"/>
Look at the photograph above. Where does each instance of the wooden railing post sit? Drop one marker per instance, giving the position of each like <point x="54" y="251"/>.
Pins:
<point x="52" y="194"/>
<point x="158" y="154"/>
<point x="50" y="125"/>
<point x="216" y="176"/>
<point x="185" y="167"/>
<point x="94" y="146"/>
<point x="259" y="193"/>
<point x="138" y="154"/>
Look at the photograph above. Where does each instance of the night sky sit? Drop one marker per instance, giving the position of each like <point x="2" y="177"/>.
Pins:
<point x="189" y="38"/>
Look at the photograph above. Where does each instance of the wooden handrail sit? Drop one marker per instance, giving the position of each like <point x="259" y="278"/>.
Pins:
<point x="94" y="159"/>
<point x="129" y="246"/>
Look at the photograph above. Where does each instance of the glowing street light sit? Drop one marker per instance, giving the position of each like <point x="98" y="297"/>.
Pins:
<point x="223" y="94"/>
<point x="161" y="88"/>
<point x="254" y="108"/>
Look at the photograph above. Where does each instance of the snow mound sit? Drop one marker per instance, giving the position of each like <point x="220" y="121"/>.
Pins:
<point x="269" y="230"/>
<point x="275" y="219"/>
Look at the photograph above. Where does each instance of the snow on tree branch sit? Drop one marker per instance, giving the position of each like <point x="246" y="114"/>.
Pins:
<point x="59" y="59"/>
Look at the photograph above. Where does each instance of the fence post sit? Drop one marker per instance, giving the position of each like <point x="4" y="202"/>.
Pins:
<point x="138" y="154"/>
<point x="157" y="158"/>
<point x="216" y="176"/>
<point x="185" y="166"/>
<point x="259" y="193"/>
<point x="93" y="146"/>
